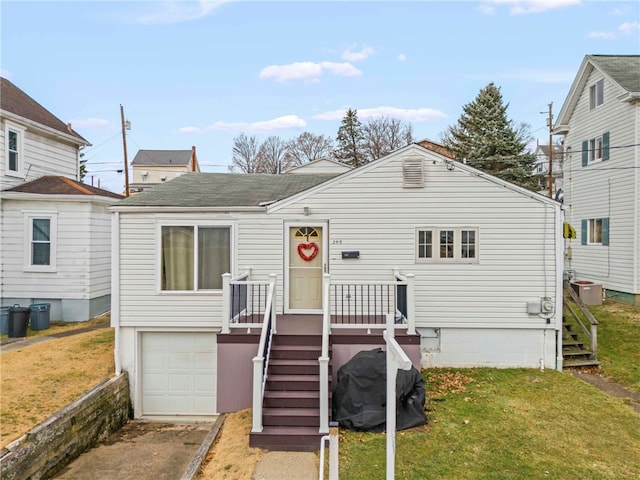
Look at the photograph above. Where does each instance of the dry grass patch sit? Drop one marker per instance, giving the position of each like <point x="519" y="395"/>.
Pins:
<point x="231" y="457"/>
<point x="38" y="380"/>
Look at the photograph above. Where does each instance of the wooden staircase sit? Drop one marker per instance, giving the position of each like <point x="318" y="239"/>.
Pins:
<point x="574" y="351"/>
<point x="579" y="329"/>
<point x="291" y="408"/>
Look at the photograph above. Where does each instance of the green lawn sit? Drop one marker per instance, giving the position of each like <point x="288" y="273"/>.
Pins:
<point x="619" y="342"/>
<point x="516" y="424"/>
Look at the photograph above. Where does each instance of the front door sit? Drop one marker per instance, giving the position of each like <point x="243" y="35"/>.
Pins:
<point x="306" y="264"/>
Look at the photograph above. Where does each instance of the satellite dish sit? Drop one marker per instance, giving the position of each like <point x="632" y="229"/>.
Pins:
<point x="559" y="197"/>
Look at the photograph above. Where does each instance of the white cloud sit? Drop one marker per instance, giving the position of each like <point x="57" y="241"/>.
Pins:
<point x="627" y="28"/>
<point x="307" y="71"/>
<point x="189" y="130"/>
<point x="280" y="123"/>
<point x="90" y="123"/>
<point x="523" y="7"/>
<point x="401" y="57"/>
<point x="168" y="12"/>
<point x="404" y="114"/>
<point x="5" y="73"/>
<point x="352" y="56"/>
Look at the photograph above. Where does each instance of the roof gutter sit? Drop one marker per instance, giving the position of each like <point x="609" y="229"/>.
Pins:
<point x="45" y="129"/>
<point x="178" y="209"/>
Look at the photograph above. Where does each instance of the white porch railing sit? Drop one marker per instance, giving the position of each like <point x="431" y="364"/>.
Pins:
<point x="244" y="301"/>
<point x="261" y="360"/>
<point x="362" y="305"/>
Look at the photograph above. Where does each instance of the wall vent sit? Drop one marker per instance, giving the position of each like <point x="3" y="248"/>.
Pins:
<point x="413" y="173"/>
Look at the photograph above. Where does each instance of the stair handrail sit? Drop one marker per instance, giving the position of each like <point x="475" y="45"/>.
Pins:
<point x="261" y="360"/>
<point x="592" y="332"/>
<point x="409" y="280"/>
<point x="323" y="360"/>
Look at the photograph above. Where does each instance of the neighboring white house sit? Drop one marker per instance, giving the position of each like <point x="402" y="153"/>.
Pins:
<point x="54" y="230"/>
<point x="600" y="121"/>
<point x="480" y="258"/>
<point x="320" y="165"/>
<point x="541" y="168"/>
<point x="151" y="167"/>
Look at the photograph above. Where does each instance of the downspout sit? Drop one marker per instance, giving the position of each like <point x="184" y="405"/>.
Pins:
<point x="115" y="287"/>
<point x="559" y="243"/>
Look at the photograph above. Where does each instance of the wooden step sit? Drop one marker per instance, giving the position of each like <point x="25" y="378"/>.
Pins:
<point x="574" y="362"/>
<point x="291" y="417"/>
<point x="572" y="343"/>
<point x="294" y="439"/>
<point x="294" y="366"/>
<point x="290" y="339"/>
<point x="284" y="399"/>
<point x="302" y="352"/>
<point x="576" y="352"/>
<point x="293" y="382"/>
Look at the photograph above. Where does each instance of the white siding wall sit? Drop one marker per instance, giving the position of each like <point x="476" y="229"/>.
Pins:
<point x="41" y="155"/>
<point x="71" y="278"/>
<point x="155" y="173"/>
<point x="374" y="215"/>
<point x="100" y="251"/>
<point x="605" y="189"/>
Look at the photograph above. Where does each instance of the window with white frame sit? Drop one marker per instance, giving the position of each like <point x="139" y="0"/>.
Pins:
<point x="595" y="149"/>
<point x="194" y="257"/>
<point x="13" y="149"/>
<point x="596" y="94"/>
<point x="447" y="244"/>
<point x="40" y="248"/>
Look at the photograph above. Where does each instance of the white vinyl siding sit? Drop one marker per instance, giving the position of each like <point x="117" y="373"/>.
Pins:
<point x="606" y="189"/>
<point x="80" y="253"/>
<point x="38" y="155"/>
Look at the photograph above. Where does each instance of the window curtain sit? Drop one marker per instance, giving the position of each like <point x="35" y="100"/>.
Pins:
<point x="177" y="258"/>
<point x="214" y="257"/>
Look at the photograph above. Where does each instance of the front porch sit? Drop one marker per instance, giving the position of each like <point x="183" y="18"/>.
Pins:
<point x="296" y="357"/>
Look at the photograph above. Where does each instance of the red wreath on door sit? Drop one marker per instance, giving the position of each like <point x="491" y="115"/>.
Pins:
<point x="303" y="248"/>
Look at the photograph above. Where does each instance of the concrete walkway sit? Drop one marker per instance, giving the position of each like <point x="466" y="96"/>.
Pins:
<point x="287" y="466"/>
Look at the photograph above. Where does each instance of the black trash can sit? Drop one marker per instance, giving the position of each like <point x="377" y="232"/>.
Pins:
<point x="18" y="321"/>
<point x="4" y="320"/>
<point x="40" y="316"/>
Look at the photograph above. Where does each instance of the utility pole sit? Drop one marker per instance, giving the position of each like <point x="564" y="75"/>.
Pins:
<point x="550" y="123"/>
<point x="124" y="145"/>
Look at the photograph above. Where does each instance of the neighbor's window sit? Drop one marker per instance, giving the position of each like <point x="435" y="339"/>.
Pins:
<point x="596" y="94"/>
<point x="436" y="244"/>
<point x="595" y="149"/>
<point x="194" y="257"/>
<point x="13" y="149"/>
<point x="40" y="248"/>
<point x="595" y="230"/>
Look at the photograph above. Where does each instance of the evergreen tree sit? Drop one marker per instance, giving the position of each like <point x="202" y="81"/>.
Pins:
<point x="351" y="141"/>
<point x="486" y="139"/>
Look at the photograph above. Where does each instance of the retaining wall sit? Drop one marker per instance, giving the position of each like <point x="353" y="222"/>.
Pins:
<point x="54" y="443"/>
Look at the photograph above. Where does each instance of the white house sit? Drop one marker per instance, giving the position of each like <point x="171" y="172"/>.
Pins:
<point x="600" y="121"/>
<point x="543" y="158"/>
<point x="54" y="230"/>
<point x="468" y="265"/>
<point x="151" y="167"/>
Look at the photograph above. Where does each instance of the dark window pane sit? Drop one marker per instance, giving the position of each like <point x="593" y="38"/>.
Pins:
<point x="40" y="253"/>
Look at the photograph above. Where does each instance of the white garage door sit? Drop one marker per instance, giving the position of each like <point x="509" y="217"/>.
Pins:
<point x="178" y="373"/>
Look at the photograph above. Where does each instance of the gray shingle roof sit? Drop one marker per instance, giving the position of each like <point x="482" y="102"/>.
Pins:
<point x="624" y="69"/>
<point x="162" y="157"/>
<point x="224" y="190"/>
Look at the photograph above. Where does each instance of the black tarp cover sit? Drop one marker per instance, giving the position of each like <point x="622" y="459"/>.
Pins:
<point x="359" y="398"/>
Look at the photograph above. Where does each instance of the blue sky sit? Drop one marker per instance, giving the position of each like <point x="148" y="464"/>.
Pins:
<point x="200" y="73"/>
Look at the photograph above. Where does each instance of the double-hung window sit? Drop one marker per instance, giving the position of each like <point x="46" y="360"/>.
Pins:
<point x="596" y="94"/>
<point x="40" y="245"/>
<point x="13" y="149"/>
<point x="447" y="244"/>
<point x="595" y="149"/>
<point x="194" y="257"/>
<point x="595" y="231"/>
